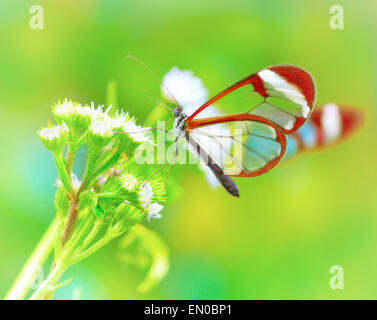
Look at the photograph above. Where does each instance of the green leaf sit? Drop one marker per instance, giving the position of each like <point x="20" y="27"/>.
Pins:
<point x="128" y="215"/>
<point x="99" y="212"/>
<point x="88" y="200"/>
<point x="107" y="163"/>
<point x="126" y="145"/>
<point x="144" y="250"/>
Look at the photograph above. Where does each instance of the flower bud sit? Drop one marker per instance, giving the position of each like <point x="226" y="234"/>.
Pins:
<point x="55" y="138"/>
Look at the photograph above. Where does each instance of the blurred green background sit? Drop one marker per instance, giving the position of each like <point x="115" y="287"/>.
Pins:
<point x="279" y="240"/>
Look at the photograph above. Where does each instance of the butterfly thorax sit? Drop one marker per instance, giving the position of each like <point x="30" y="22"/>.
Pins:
<point x="180" y="124"/>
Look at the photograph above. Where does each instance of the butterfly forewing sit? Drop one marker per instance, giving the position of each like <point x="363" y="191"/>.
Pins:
<point x="287" y="93"/>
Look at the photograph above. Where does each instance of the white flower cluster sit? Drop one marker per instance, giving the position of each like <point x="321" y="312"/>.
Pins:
<point x="54" y="132"/>
<point x="120" y="119"/>
<point x="137" y="133"/>
<point x="54" y="138"/>
<point x="65" y="109"/>
<point x="145" y="198"/>
<point x="103" y="125"/>
<point x="99" y="121"/>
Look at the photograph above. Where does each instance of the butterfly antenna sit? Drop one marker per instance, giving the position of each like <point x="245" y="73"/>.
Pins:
<point x="143" y="90"/>
<point x="150" y="129"/>
<point x="155" y="75"/>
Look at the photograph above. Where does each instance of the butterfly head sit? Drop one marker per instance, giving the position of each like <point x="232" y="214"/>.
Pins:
<point x="177" y="111"/>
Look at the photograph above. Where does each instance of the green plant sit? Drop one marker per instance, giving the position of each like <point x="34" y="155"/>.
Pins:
<point x="113" y="196"/>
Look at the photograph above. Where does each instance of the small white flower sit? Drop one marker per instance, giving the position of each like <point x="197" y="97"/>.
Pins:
<point x="54" y="139"/>
<point x="145" y="198"/>
<point x="153" y="211"/>
<point x="83" y="111"/>
<point x="145" y="194"/>
<point x="120" y="119"/>
<point x="188" y="90"/>
<point x="101" y="128"/>
<point x="101" y="180"/>
<point x="76" y="183"/>
<point x="182" y="85"/>
<point x="98" y="113"/>
<point x="65" y="109"/>
<point x="53" y="133"/>
<point x="101" y="124"/>
<point x="129" y="182"/>
<point x="136" y="133"/>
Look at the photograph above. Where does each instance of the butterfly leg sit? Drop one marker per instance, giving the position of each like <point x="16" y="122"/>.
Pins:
<point x="171" y="169"/>
<point x="158" y="170"/>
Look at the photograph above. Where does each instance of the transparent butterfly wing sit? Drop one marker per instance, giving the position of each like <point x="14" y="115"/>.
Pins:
<point x="241" y="145"/>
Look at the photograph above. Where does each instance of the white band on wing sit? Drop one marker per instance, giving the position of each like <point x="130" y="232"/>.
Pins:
<point x="331" y="122"/>
<point x="290" y="91"/>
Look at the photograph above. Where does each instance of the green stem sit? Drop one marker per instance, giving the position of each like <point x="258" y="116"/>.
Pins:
<point x="21" y="286"/>
<point x="95" y="247"/>
<point x="66" y="247"/>
<point x="71" y="218"/>
<point x="89" y="169"/>
<point x="70" y="159"/>
<point x="90" y="237"/>
<point x="51" y="281"/>
<point x="79" y="232"/>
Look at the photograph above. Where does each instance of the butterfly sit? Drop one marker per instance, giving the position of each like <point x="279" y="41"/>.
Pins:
<point x="253" y="141"/>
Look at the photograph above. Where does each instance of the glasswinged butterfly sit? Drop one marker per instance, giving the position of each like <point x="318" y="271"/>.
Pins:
<point x="255" y="140"/>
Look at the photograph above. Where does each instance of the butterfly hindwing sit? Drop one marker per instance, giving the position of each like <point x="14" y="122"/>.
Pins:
<point x="241" y="145"/>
